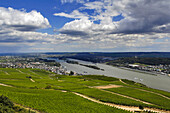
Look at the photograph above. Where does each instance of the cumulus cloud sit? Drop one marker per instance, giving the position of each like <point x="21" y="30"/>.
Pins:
<point x="140" y="17"/>
<point x="145" y="24"/>
<point x="31" y="37"/>
<point x="17" y="29"/>
<point x="13" y="19"/>
<point x="82" y="24"/>
<point x="77" y="28"/>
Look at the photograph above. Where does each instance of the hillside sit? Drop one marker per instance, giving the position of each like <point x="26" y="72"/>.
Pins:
<point x="44" y="91"/>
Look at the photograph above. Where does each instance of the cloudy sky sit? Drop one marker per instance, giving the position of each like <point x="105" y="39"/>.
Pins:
<point x="84" y="25"/>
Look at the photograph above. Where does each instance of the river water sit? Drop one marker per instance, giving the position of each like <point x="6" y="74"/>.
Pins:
<point x="161" y="82"/>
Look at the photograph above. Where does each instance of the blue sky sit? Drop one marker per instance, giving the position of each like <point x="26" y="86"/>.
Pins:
<point x="46" y="7"/>
<point x="84" y="25"/>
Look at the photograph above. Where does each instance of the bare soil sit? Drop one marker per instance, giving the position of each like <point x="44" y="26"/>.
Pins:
<point x="108" y="86"/>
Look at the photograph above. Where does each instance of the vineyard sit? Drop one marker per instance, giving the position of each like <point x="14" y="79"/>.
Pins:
<point x="47" y="92"/>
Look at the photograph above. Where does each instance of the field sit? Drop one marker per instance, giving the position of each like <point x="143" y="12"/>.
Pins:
<point x="50" y="93"/>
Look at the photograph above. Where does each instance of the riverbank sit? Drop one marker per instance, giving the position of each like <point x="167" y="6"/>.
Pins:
<point x="156" y="82"/>
<point x="139" y="71"/>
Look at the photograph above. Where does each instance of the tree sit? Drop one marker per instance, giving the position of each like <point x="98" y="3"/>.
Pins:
<point x="48" y="87"/>
<point x="5" y="101"/>
<point x="141" y="107"/>
<point x="71" y="73"/>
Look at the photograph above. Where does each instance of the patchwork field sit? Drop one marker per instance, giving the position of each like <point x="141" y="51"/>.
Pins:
<point x="47" y="92"/>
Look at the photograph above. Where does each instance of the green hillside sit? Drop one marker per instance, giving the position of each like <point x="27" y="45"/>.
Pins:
<point x="47" y="92"/>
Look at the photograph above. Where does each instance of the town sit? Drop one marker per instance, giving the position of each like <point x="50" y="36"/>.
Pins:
<point x="158" y="69"/>
<point x="55" y="67"/>
<point x="34" y="63"/>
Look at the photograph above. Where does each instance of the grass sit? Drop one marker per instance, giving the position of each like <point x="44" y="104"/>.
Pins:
<point x="7" y="106"/>
<point x="129" y="82"/>
<point x="45" y="94"/>
<point x="141" y="86"/>
<point x="53" y="101"/>
<point x="108" y="97"/>
<point x="99" y="77"/>
<point x="142" y="95"/>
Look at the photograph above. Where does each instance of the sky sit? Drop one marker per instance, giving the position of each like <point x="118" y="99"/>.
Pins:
<point x="84" y="26"/>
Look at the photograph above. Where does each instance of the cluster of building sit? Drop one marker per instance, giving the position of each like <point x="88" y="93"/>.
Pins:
<point x="157" y="69"/>
<point x="35" y="65"/>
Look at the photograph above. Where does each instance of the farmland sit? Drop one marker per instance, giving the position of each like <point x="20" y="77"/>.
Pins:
<point x="45" y="91"/>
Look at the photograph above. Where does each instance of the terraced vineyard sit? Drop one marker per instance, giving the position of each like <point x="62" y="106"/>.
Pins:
<point x="50" y="93"/>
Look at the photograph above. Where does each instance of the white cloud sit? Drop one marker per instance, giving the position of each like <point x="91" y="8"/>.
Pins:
<point x="146" y="22"/>
<point x="82" y="24"/>
<point x="141" y="16"/>
<point x="93" y="5"/>
<point x="75" y="14"/>
<point x="22" y="21"/>
<point x="17" y="29"/>
<point x="143" y="20"/>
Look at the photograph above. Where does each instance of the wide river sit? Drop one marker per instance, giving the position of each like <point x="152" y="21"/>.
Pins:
<point x="161" y="82"/>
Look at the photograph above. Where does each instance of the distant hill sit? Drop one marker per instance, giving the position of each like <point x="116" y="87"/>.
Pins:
<point x="103" y="56"/>
<point x="118" y="54"/>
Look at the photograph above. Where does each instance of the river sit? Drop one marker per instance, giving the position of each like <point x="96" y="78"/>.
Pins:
<point x="161" y="82"/>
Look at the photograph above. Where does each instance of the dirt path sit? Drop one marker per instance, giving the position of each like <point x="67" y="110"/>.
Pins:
<point x="29" y="74"/>
<point x="33" y="72"/>
<point x="146" y="90"/>
<point x="32" y="80"/>
<point x="20" y="71"/>
<point x="23" y="72"/>
<point x="5" y="85"/>
<point x="127" y="97"/>
<point x="108" y="86"/>
<point x="4" y="72"/>
<point x="129" y="108"/>
<point x="123" y="82"/>
<point x="19" y="104"/>
<point x="153" y="93"/>
<point x="27" y="108"/>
